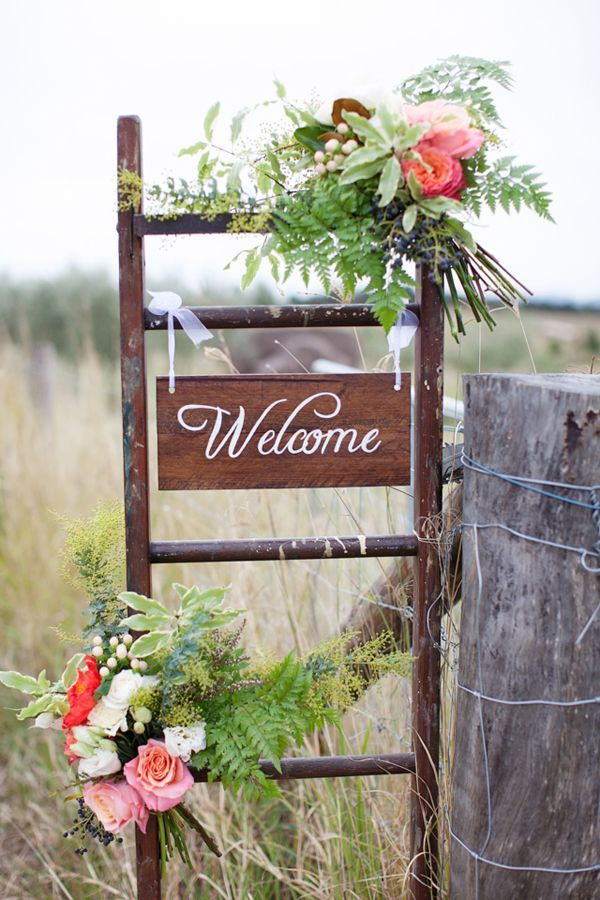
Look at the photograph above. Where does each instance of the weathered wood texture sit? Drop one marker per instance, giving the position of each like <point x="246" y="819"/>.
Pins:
<point x="292" y="315"/>
<point x="318" y="431"/>
<point x="135" y="440"/>
<point x="428" y="437"/>
<point x="334" y="766"/>
<point x="518" y="642"/>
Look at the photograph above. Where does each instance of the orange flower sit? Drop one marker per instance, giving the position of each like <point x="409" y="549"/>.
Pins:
<point x="445" y="176"/>
<point x="81" y="694"/>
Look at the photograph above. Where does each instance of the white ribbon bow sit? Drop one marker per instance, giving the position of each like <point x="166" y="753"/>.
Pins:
<point x="399" y="336"/>
<point x="167" y="303"/>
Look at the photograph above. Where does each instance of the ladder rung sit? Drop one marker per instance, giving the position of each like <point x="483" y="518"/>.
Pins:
<point x="188" y="223"/>
<point x="305" y="315"/>
<point x="334" y="766"/>
<point x="284" y="548"/>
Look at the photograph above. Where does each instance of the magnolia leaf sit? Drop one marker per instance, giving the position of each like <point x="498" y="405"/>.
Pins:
<point x="411" y="136"/>
<point x="141" y="622"/>
<point x="409" y="218"/>
<point x="25" y="683"/>
<point x="195" y="599"/>
<point x="42" y="704"/>
<point x="192" y="149"/>
<point x="143" y="604"/>
<point x="69" y="676"/>
<point x="462" y="233"/>
<point x="150" y="643"/>
<point x="209" y="120"/>
<point x="309" y="136"/>
<point x="43" y="683"/>
<point x="389" y="181"/>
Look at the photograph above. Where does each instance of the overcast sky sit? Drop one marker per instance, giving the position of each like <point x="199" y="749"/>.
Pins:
<point x="70" y="68"/>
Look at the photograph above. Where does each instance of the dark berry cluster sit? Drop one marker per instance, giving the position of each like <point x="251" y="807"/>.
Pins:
<point x="86" y="824"/>
<point x="425" y="243"/>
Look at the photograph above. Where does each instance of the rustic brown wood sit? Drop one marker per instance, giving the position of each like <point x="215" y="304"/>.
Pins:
<point x="135" y="441"/>
<point x="368" y="404"/>
<point x="244" y="550"/>
<point x="428" y="438"/>
<point x="335" y="766"/>
<point x="293" y="315"/>
<point x="519" y="641"/>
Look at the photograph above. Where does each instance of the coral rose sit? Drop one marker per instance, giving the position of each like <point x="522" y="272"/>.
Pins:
<point x="445" y="177"/>
<point x="81" y="694"/>
<point x="160" y="778"/>
<point x="115" y="803"/>
<point x="450" y="129"/>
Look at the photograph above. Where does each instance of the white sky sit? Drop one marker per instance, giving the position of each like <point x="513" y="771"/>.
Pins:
<point x="68" y="69"/>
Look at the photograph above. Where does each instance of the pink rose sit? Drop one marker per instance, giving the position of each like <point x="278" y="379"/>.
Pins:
<point x="443" y="176"/>
<point x="115" y="803"/>
<point x="450" y="129"/>
<point x="160" y="778"/>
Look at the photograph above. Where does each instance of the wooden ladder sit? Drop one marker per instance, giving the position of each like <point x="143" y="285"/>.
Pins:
<point x="142" y="552"/>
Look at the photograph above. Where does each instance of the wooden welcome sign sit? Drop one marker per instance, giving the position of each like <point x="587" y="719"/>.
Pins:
<point x="276" y="431"/>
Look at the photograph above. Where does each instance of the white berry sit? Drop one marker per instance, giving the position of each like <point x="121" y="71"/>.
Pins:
<point x="320" y="169"/>
<point x="97" y="640"/>
<point x="111" y="662"/>
<point x="114" y="641"/>
<point x="338" y="158"/>
<point x="97" y="651"/>
<point x="121" y="651"/>
<point x="138" y="727"/>
<point x="349" y="146"/>
<point x="135" y="663"/>
<point x="332" y="145"/>
<point x="342" y="128"/>
<point x="126" y="638"/>
<point x="319" y="156"/>
<point x="104" y="671"/>
<point x="331" y="165"/>
<point x="142" y="665"/>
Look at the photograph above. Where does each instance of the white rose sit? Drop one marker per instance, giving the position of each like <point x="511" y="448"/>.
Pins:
<point x="105" y="716"/>
<point x="103" y="762"/>
<point x="183" y="741"/>
<point x="122" y="688"/>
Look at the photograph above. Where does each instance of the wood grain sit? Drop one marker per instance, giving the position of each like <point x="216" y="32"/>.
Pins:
<point x="519" y="641"/>
<point x="368" y="402"/>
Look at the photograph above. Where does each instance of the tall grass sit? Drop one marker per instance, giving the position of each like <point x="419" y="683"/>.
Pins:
<point x="60" y="454"/>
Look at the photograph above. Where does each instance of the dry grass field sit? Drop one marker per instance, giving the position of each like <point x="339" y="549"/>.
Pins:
<point x="60" y="455"/>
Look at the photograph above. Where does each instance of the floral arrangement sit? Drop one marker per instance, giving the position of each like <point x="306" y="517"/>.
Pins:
<point x="139" y="715"/>
<point x="358" y="188"/>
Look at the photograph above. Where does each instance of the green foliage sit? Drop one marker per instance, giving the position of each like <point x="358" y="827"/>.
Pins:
<point x="328" y="231"/>
<point x="342" y="670"/>
<point x="95" y="549"/>
<point x="256" y="722"/>
<point x="42" y="311"/>
<point x="462" y="80"/>
<point x="130" y="189"/>
<point x="505" y="184"/>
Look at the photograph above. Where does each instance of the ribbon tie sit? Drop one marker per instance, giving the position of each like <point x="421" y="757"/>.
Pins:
<point x="167" y="303"/>
<point x="399" y="336"/>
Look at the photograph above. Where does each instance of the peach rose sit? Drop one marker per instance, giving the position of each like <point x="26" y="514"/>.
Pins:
<point x="450" y="129"/>
<point x="445" y="176"/>
<point x="160" y="778"/>
<point x="115" y="803"/>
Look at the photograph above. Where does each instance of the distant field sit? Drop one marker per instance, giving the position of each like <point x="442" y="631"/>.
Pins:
<point x="60" y="453"/>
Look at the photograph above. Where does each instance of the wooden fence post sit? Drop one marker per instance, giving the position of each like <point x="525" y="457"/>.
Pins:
<point x="525" y="783"/>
